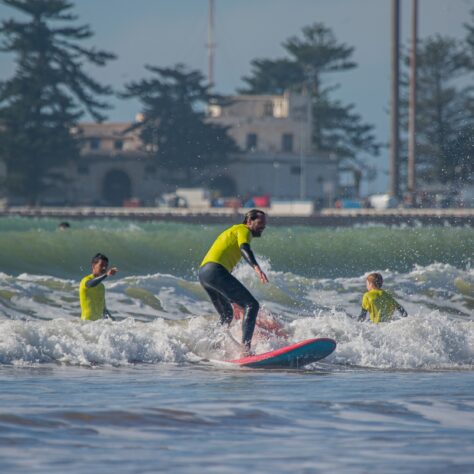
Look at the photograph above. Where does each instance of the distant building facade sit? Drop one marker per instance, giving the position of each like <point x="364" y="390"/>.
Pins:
<point x="113" y="169"/>
<point x="274" y="134"/>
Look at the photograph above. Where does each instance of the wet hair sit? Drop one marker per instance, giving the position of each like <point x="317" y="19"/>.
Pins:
<point x="376" y="279"/>
<point x="252" y="215"/>
<point x="64" y="225"/>
<point x="99" y="256"/>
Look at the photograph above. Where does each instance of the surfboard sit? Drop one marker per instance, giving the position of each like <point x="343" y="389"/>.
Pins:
<point x="292" y="356"/>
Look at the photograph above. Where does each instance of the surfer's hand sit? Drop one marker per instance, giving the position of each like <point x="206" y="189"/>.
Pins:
<point x="402" y="312"/>
<point x="112" y="271"/>
<point x="362" y="315"/>
<point x="261" y="275"/>
<point x="107" y="315"/>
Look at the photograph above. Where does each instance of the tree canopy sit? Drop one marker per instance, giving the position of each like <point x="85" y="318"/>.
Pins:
<point x="173" y="126"/>
<point x="445" y="106"/>
<point x="48" y="93"/>
<point x="311" y="58"/>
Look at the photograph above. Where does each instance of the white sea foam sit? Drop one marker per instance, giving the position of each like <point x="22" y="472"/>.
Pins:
<point x="166" y="319"/>
<point x="431" y="341"/>
<point x="418" y="342"/>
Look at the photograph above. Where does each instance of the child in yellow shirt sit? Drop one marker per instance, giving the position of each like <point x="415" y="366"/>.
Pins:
<point x="377" y="302"/>
<point x="92" y="290"/>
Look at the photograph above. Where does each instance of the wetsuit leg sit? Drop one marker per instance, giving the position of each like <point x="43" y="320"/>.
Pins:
<point x="222" y="305"/>
<point x="215" y="277"/>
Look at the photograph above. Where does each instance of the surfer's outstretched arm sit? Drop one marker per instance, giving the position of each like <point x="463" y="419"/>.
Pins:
<point x="249" y="257"/>
<point x="99" y="279"/>
<point x="95" y="281"/>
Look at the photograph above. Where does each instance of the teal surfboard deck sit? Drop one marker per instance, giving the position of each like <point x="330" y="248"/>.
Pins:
<point x="292" y="356"/>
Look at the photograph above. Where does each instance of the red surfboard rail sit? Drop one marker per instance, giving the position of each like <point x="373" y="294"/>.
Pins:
<point x="294" y="355"/>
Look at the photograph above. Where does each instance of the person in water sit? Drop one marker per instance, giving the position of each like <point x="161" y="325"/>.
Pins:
<point x="64" y="225"/>
<point x="92" y="290"/>
<point x="216" y="278"/>
<point x="377" y="302"/>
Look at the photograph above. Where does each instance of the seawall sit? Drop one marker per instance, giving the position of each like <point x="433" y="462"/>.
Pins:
<point x="323" y="218"/>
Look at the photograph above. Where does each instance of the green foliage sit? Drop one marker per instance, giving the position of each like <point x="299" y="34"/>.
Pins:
<point x="174" y="129"/>
<point x="470" y="38"/>
<point x="341" y="129"/>
<point x="47" y="95"/>
<point x="336" y="127"/>
<point x="273" y="76"/>
<point x="445" y="111"/>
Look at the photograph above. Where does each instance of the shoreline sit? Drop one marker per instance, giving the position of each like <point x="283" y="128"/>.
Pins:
<point x="323" y="218"/>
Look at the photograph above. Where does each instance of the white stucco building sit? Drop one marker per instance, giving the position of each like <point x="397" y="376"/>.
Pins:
<point x="274" y="134"/>
<point x="114" y="167"/>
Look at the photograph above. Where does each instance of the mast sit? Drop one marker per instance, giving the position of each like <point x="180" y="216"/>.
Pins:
<point x="210" y="44"/>
<point x="394" y="142"/>
<point x="412" y="103"/>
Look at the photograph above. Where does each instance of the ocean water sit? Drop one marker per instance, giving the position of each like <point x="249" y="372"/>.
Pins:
<point x="151" y="393"/>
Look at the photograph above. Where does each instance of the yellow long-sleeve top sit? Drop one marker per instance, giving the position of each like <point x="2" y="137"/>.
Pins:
<point x="380" y="305"/>
<point x="92" y="300"/>
<point x="226" y="248"/>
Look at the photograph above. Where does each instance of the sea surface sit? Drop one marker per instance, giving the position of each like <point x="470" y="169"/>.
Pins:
<point x="151" y="392"/>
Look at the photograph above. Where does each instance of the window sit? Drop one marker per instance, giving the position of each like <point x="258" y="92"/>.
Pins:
<point x="94" y="143"/>
<point x="118" y="144"/>
<point x="252" y="140"/>
<point x="287" y="142"/>
<point x="295" y="170"/>
<point x="268" y="109"/>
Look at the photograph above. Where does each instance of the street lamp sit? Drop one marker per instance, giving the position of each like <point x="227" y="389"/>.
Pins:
<point x="276" y="166"/>
<point x="305" y="141"/>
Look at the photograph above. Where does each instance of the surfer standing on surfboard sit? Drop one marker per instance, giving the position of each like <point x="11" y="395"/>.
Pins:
<point x="216" y="278"/>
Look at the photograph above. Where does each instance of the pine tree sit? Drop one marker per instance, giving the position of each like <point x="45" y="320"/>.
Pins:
<point x="337" y="128"/>
<point x="470" y="38"/>
<point x="174" y="129"/>
<point x="445" y="118"/>
<point x="49" y="92"/>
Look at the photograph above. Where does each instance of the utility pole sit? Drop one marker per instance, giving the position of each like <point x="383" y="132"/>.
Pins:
<point x="210" y="44"/>
<point x="394" y="142"/>
<point x="411" y="184"/>
<point x="305" y="138"/>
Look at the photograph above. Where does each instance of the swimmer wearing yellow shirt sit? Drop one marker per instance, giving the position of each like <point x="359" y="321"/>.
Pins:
<point x="92" y="290"/>
<point x="222" y="287"/>
<point x="377" y="302"/>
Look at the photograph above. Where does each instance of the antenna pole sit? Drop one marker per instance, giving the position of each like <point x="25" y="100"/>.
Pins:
<point x="412" y="104"/>
<point x="210" y="44"/>
<point x="394" y="150"/>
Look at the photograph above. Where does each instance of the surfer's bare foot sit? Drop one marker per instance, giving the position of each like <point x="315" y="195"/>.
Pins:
<point x="247" y="352"/>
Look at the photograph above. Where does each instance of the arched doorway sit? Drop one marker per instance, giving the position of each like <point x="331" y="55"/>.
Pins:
<point x="116" y="187"/>
<point x="224" y="185"/>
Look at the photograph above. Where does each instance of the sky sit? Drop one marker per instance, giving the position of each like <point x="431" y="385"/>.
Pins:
<point x="167" y="32"/>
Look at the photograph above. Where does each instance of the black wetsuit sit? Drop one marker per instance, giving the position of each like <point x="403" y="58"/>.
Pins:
<point x="224" y="289"/>
<point x="95" y="281"/>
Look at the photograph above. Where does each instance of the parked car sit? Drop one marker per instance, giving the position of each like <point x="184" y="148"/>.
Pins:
<point x="348" y="204"/>
<point x="383" y="201"/>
